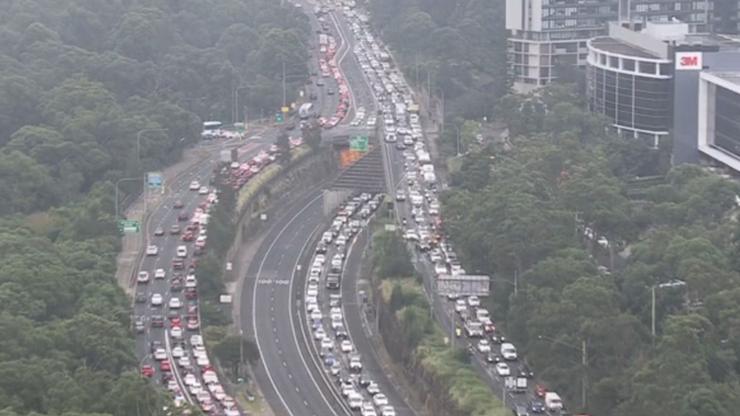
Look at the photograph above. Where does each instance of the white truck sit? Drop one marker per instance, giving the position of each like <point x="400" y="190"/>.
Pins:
<point x="553" y="401"/>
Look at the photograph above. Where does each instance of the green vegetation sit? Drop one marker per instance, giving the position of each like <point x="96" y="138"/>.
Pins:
<point x="413" y="338"/>
<point x="524" y="212"/>
<point x="458" y="47"/>
<point x="78" y="80"/>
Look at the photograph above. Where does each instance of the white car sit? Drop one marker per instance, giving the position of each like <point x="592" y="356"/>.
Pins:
<point x="474" y="301"/>
<point x="460" y="305"/>
<point x="346" y="346"/>
<point x="143" y="277"/>
<point x="209" y="377"/>
<point x="157" y="299"/>
<point x="316" y="315"/>
<point x="160" y="354"/>
<point x="484" y="346"/>
<point x="319" y="333"/>
<point x="176" y="332"/>
<point x="191" y="281"/>
<point x="178" y="352"/>
<point x="182" y="251"/>
<point x="152" y="250"/>
<point x="380" y="399"/>
<point x="390" y="138"/>
<point x="175" y="303"/>
<point x="194" y="185"/>
<point x="160" y="274"/>
<point x="387" y="411"/>
<point x="502" y="369"/>
<point x="190" y="379"/>
<point x="196" y="340"/>
<point x="203" y="190"/>
<point x="184" y="361"/>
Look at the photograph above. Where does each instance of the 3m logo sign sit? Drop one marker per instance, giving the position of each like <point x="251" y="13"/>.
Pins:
<point x="688" y="61"/>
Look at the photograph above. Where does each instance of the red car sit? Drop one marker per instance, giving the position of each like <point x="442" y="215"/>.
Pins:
<point x="178" y="264"/>
<point x="165" y="366"/>
<point x="191" y="293"/>
<point x="188" y="236"/>
<point x="178" y="205"/>
<point x="147" y="370"/>
<point x="176" y="321"/>
<point x="540" y="390"/>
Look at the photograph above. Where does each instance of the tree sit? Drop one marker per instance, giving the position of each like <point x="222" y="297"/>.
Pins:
<point x="312" y="135"/>
<point x="283" y="144"/>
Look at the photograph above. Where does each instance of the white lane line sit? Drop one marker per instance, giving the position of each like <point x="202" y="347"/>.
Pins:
<point x="292" y="324"/>
<point x="254" y="304"/>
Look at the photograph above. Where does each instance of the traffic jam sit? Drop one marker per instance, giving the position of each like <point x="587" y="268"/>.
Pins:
<point x="325" y="313"/>
<point x="328" y="67"/>
<point x="421" y="219"/>
<point x="177" y="355"/>
<point x="238" y="174"/>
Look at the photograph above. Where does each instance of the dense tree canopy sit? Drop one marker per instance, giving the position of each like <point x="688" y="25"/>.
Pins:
<point x="525" y="212"/>
<point x="78" y="80"/>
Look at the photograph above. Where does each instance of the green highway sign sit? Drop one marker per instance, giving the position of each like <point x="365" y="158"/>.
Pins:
<point x="358" y="143"/>
<point x="279" y="117"/>
<point x="128" y="226"/>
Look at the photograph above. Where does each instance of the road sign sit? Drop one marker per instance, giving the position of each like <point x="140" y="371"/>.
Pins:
<point x="358" y="143"/>
<point x="128" y="226"/>
<point x="279" y="117"/>
<point x="154" y="179"/>
<point x="463" y="285"/>
<point x="285" y="109"/>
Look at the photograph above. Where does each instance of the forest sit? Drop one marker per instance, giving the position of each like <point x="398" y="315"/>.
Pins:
<point x="458" y="48"/>
<point x="78" y="80"/>
<point x="558" y="209"/>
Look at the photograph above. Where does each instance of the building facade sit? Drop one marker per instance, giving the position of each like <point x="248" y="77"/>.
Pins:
<point x="546" y="36"/>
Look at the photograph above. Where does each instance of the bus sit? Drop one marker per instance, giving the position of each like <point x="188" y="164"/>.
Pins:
<point x="305" y="111"/>
<point x="211" y="129"/>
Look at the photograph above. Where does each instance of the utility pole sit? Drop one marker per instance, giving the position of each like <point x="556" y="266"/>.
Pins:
<point x="584" y="361"/>
<point x="652" y="313"/>
<point x="284" y="84"/>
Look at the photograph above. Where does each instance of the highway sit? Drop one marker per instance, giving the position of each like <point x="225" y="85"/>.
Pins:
<point x="163" y="216"/>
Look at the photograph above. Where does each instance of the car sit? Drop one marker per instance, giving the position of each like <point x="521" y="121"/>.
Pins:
<point x="503" y="370"/>
<point x="390" y="138"/>
<point x="493" y="358"/>
<point x="183" y="216"/>
<point x="203" y="190"/>
<point x="327" y="343"/>
<point x="400" y="196"/>
<point x="380" y="399"/>
<point x="177" y="351"/>
<point x="460" y="305"/>
<point x="157" y="321"/>
<point x="182" y="251"/>
<point x="355" y="364"/>
<point x="474" y="301"/>
<point x="142" y="277"/>
<point x="537" y="406"/>
<point x="373" y="388"/>
<point x="175" y="229"/>
<point x="156" y="299"/>
<point x="147" y="370"/>
<point x="193" y="324"/>
<point x="346" y="346"/>
<point x="175" y="303"/>
<point x="184" y="361"/>
<point x="387" y="411"/>
<point x="160" y="274"/>
<point x="176" y="332"/>
<point x="525" y="371"/>
<point x="191" y="293"/>
<point x="160" y="354"/>
<point x="139" y="325"/>
<point x="178" y="264"/>
<point x="178" y="205"/>
<point x="140" y="297"/>
<point x="520" y="410"/>
<point x="484" y="346"/>
<point x="158" y="232"/>
<point x="194" y="185"/>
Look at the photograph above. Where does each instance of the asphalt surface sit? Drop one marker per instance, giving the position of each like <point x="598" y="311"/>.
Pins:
<point x="164" y="215"/>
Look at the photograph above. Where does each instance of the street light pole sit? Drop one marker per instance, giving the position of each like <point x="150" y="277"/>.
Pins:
<point x="584" y="363"/>
<point x="457" y="128"/>
<point x="138" y="141"/>
<point x="236" y="102"/>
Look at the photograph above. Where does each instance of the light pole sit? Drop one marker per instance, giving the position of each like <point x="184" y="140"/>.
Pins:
<point x="116" y="198"/>
<point x="584" y="362"/>
<point x="138" y="141"/>
<point x="236" y="101"/>
<point x="673" y="283"/>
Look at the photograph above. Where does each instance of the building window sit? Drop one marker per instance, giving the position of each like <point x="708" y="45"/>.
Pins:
<point x="628" y="64"/>
<point x="726" y="122"/>
<point x="613" y="62"/>
<point x="647" y="67"/>
<point x="665" y="69"/>
<point x="602" y="59"/>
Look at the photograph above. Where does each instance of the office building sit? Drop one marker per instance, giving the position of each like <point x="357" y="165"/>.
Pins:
<point x="546" y="36"/>
<point x="718" y="117"/>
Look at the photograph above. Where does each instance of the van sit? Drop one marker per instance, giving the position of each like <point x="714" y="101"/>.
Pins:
<point x="508" y="351"/>
<point x="520" y="410"/>
<point x="553" y="401"/>
<point x="182" y="251"/>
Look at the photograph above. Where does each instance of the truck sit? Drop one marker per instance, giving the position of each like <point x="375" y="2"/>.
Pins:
<point x="333" y="280"/>
<point x="305" y="111"/>
<point x="473" y="328"/>
<point x="520" y="385"/>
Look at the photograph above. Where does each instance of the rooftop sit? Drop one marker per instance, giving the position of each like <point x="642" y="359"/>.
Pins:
<point x="733" y="77"/>
<point x="611" y="45"/>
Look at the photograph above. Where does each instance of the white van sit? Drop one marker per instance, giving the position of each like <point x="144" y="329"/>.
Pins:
<point x="553" y="401"/>
<point x="182" y="251"/>
<point x="508" y="351"/>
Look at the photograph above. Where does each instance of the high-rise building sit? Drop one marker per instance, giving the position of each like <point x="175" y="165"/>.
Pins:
<point x="546" y="36"/>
